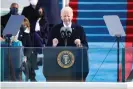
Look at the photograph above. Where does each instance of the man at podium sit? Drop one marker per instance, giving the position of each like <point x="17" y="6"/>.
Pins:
<point x="70" y="44"/>
<point x="67" y="33"/>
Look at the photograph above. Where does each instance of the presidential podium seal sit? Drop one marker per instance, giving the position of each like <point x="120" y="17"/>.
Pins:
<point x="65" y="59"/>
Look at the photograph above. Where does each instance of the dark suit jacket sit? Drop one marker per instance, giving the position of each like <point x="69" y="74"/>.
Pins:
<point x="4" y="20"/>
<point x="77" y="33"/>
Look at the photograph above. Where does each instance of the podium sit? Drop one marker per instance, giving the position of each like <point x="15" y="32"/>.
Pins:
<point x="65" y="64"/>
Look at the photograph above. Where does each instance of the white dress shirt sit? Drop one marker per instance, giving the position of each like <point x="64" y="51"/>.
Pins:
<point x="68" y="25"/>
<point x="37" y="27"/>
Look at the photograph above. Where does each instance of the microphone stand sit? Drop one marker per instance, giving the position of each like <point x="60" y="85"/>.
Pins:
<point x="65" y="41"/>
<point x="66" y="36"/>
<point x="118" y="52"/>
<point x="11" y="73"/>
<point x="7" y="37"/>
<point x="8" y="40"/>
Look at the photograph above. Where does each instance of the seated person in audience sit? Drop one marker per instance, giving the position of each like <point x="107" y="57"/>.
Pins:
<point x="4" y="19"/>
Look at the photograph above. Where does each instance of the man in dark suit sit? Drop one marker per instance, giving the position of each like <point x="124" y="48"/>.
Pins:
<point x="69" y="34"/>
<point x="4" y="19"/>
<point x="77" y="37"/>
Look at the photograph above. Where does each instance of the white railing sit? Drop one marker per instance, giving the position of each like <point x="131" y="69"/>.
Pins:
<point x="63" y="85"/>
<point x="130" y="85"/>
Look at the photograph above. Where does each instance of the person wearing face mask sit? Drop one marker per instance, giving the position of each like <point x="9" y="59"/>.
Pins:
<point x="29" y="52"/>
<point x="31" y="12"/>
<point x="77" y="37"/>
<point x="41" y="26"/>
<point x="52" y="11"/>
<point x="13" y="11"/>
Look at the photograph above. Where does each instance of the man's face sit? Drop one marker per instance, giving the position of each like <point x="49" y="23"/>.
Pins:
<point x="66" y="17"/>
<point x="14" y="9"/>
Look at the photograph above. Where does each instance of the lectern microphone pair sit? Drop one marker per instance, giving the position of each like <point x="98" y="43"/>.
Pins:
<point x="65" y="33"/>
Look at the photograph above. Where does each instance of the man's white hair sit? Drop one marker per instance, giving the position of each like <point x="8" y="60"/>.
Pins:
<point x="67" y="9"/>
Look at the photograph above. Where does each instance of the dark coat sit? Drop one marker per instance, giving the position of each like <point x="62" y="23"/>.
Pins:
<point x="31" y="14"/>
<point x="29" y="50"/>
<point x="52" y="10"/>
<point x="44" y="29"/>
<point x="4" y="20"/>
<point x="77" y="33"/>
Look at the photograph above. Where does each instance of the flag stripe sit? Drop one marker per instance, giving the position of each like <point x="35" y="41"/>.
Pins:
<point x="75" y="8"/>
<point x="128" y="53"/>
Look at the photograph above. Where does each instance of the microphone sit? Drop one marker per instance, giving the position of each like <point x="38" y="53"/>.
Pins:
<point x="63" y="32"/>
<point x="68" y="31"/>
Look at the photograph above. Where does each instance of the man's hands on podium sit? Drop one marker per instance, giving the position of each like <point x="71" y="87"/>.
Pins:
<point x="55" y="42"/>
<point x="77" y="42"/>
